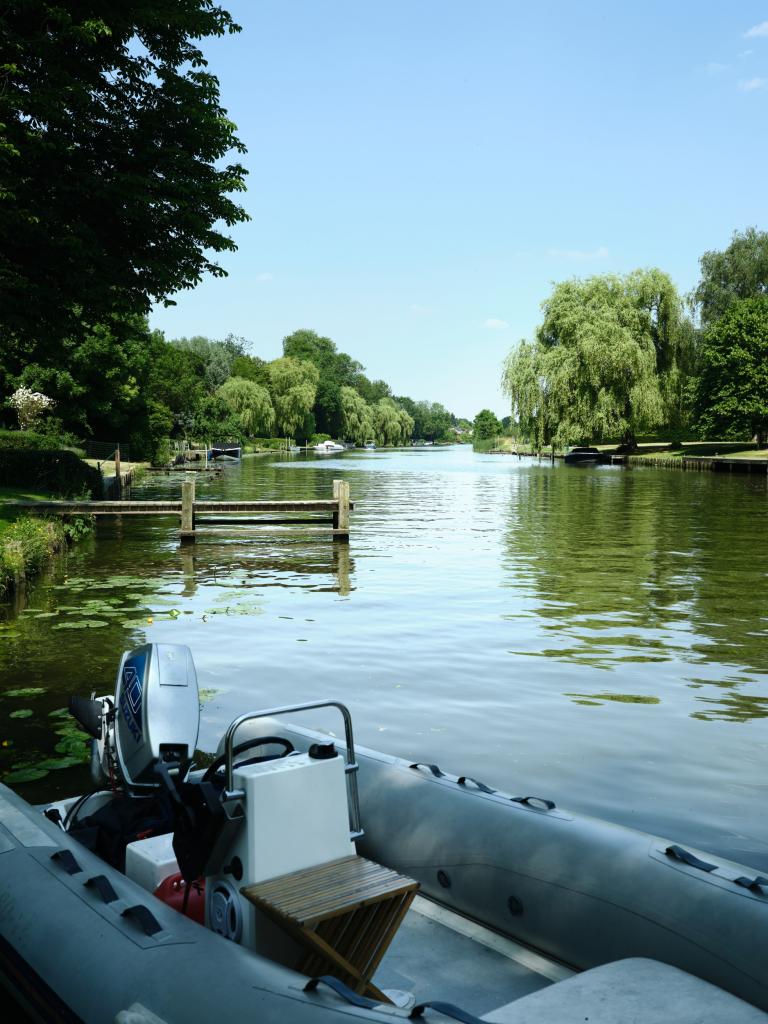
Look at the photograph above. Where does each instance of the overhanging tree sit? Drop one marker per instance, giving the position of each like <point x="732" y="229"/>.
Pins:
<point x="112" y="180"/>
<point x="293" y="385"/>
<point x="356" y="416"/>
<point x="251" y="404"/>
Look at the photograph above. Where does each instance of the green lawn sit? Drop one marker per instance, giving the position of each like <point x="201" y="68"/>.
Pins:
<point x="704" y="449"/>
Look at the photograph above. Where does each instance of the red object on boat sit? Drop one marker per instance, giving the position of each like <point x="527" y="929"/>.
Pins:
<point x="171" y="891"/>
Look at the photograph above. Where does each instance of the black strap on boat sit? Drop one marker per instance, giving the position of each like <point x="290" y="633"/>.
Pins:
<point x="435" y="769"/>
<point x="67" y="860"/>
<point x="464" y="779"/>
<point x="679" y="853"/>
<point x="342" y="990"/>
<point x="447" y="1009"/>
<point x="534" y="801"/>
<point x="144" y="918"/>
<point x="103" y="887"/>
<point x="755" y="884"/>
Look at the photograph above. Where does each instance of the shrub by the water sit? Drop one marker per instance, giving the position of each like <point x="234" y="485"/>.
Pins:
<point x="27" y="544"/>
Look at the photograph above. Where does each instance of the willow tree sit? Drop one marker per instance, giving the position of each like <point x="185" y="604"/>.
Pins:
<point x="251" y="404"/>
<point x="407" y="423"/>
<point x="606" y="361"/>
<point x="356" y="416"/>
<point x="293" y="385"/>
<point x="392" y="424"/>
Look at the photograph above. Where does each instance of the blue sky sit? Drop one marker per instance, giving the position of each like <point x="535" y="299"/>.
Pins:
<point x="422" y="171"/>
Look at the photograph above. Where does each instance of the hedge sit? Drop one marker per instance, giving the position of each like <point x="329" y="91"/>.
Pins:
<point x="58" y="472"/>
<point x="23" y="439"/>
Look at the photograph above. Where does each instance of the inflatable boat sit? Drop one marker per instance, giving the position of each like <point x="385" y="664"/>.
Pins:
<point x="298" y="878"/>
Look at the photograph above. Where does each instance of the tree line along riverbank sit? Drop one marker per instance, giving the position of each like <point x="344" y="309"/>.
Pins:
<point x="622" y="356"/>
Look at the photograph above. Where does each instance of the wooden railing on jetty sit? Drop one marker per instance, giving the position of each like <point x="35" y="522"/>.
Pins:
<point x="194" y="514"/>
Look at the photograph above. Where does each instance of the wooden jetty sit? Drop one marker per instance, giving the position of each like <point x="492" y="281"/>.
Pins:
<point x="194" y="514"/>
<point x="715" y="463"/>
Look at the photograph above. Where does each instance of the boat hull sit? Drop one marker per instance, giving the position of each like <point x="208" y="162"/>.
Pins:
<point x="579" y="889"/>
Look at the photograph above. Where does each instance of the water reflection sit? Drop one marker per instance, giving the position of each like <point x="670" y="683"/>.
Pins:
<point x="641" y="567"/>
<point x="596" y="636"/>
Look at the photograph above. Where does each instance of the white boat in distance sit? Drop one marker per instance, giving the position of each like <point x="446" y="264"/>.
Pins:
<point x="329" y="447"/>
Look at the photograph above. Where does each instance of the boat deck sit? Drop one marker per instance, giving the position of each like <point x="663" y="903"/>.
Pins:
<point x="438" y="954"/>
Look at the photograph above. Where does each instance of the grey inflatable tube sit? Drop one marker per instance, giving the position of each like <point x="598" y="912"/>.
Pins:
<point x="582" y="890"/>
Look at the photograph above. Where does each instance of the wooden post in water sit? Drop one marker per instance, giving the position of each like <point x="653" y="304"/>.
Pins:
<point x="187" y="532"/>
<point x="118" y="473"/>
<point x="341" y="512"/>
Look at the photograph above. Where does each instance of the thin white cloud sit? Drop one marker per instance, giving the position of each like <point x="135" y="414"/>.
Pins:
<point x="757" y="30"/>
<point x="746" y="53"/>
<point x="495" y="324"/>
<point x="751" y="84"/>
<point x="714" y="68"/>
<point x="579" y="255"/>
<point x="265" y="277"/>
<point x="420" y="310"/>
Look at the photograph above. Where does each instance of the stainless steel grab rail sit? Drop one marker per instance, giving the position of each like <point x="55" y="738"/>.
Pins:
<point x="350" y="767"/>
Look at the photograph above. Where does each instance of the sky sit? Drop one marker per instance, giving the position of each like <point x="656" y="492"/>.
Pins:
<point x="422" y="171"/>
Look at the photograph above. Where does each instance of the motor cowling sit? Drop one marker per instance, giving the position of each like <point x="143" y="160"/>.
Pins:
<point x="157" y="711"/>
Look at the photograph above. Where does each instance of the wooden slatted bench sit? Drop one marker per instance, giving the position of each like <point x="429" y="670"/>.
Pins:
<point x="344" y="914"/>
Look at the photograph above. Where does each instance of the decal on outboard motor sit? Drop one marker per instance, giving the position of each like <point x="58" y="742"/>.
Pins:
<point x="131" y="688"/>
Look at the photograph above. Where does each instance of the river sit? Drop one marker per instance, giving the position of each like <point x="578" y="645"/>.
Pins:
<point x="596" y="636"/>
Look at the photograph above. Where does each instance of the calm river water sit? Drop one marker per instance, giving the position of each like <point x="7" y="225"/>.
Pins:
<point x="597" y="636"/>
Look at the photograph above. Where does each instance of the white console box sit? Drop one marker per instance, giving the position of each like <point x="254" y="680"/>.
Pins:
<point x="149" y="861"/>
<point x="296" y="817"/>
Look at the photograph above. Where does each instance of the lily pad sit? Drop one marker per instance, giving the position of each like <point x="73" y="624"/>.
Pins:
<point x="72" y="742"/>
<point x="59" y="713"/>
<point x="25" y="691"/>
<point x="53" y="764"/>
<point x="82" y="624"/>
<point x="22" y="713"/>
<point x="46" y="615"/>
<point x="25" y="775"/>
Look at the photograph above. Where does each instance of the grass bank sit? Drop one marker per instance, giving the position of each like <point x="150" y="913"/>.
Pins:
<point x="30" y="473"/>
<point x="27" y="544"/>
<point x="702" y="450"/>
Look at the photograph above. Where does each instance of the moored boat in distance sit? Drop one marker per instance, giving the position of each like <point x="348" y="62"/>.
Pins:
<point x="583" y="455"/>
<point x="225" y="451"/>
<point x="370" y="446"/>
<point x="328" y="447"/>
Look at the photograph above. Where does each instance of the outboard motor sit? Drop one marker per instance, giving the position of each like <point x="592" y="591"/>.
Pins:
<point x="143" y="740"/>
<point x="157" y="712"/>
<point x="153" y="719"/>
